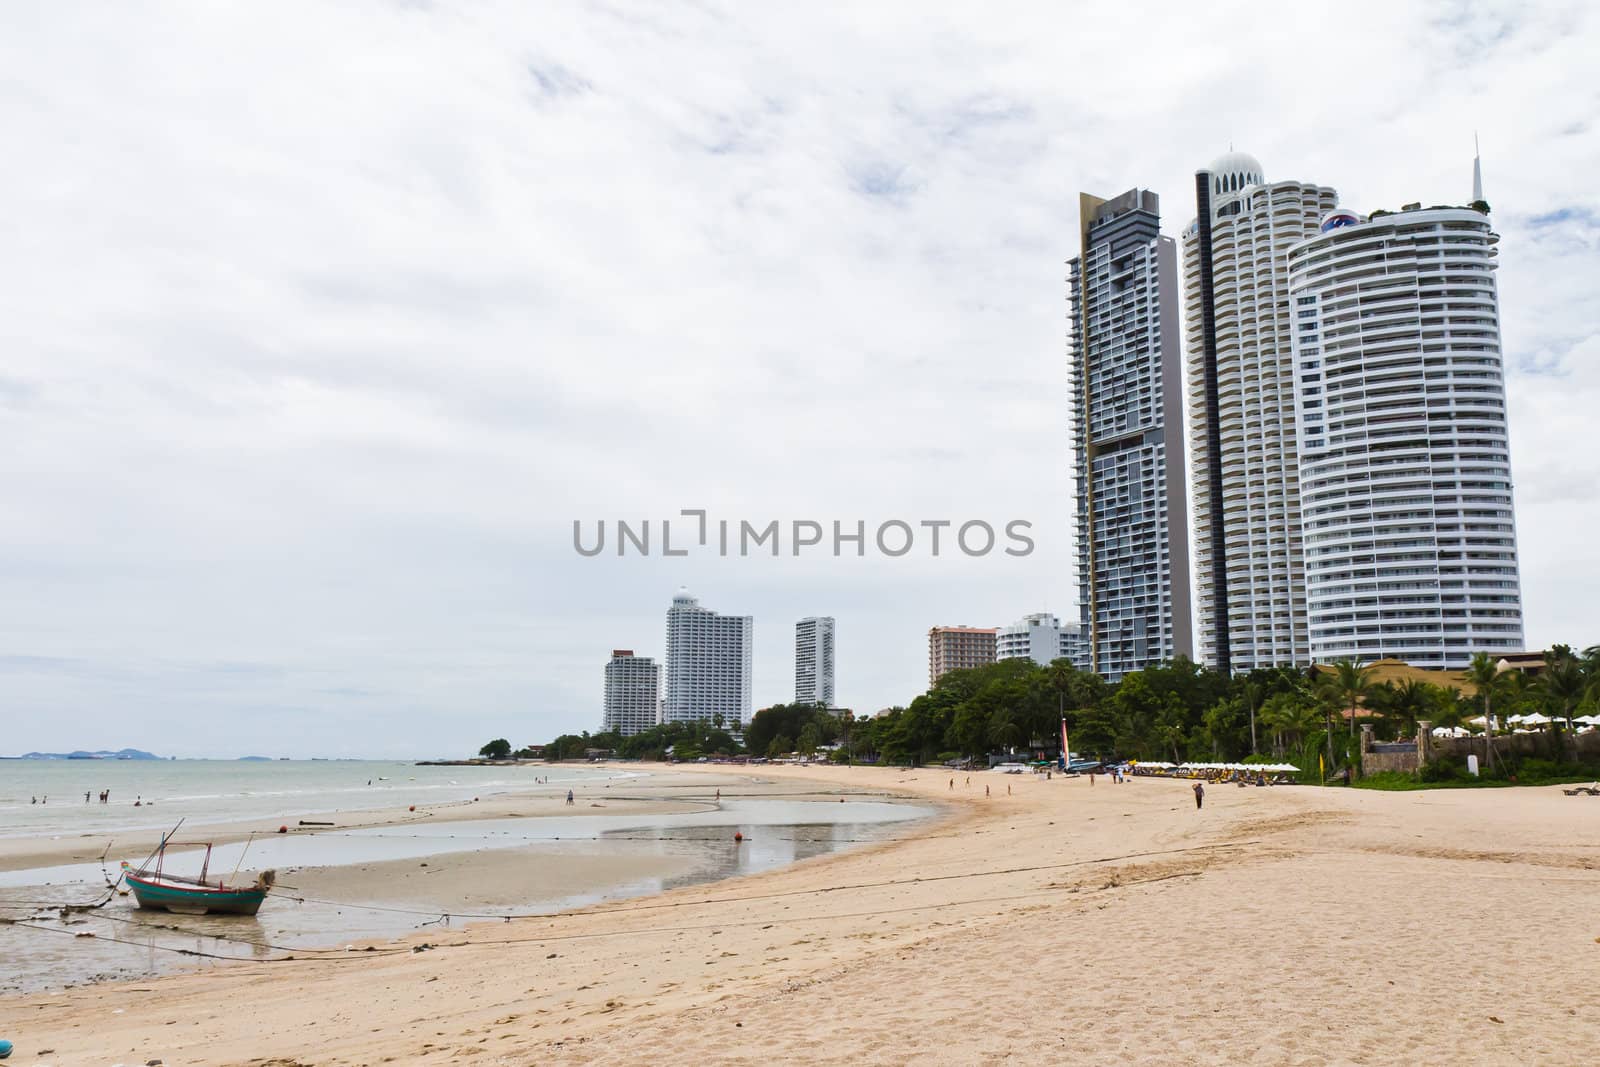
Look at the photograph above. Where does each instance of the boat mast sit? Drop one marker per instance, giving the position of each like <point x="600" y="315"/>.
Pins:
<point x="161" y="848"/>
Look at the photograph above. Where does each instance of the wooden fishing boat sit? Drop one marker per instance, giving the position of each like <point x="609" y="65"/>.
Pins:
<point x="157" y="888"/>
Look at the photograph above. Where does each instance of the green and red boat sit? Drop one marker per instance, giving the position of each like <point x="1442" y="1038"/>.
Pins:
<point x="185" y="895"/>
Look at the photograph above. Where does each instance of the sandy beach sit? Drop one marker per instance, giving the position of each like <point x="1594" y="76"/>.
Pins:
<point x="1052" y="920"/>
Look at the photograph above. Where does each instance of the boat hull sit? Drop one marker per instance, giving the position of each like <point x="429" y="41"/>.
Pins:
<point x="195" y="900"/>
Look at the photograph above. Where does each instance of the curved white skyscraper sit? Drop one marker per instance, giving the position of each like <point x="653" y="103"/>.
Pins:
<point x="1405" y="471"/>
<point x="1244" y="473"/>
<point x="708" y="663"/>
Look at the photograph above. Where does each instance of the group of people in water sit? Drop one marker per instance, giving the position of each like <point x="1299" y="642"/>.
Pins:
<point x="105" y="798"/>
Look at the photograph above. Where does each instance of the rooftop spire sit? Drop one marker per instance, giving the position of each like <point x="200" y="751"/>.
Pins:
<point x="1477" y="170"/>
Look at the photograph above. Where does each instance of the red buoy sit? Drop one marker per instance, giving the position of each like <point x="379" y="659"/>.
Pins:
<point x="412" y="808"/>
<point x="737" y="836"/>
<point x="283" y="829"/>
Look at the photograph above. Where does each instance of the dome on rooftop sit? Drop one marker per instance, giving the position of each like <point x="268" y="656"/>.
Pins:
<point x="683" y="596"/>
<point x="1234" y="171"/>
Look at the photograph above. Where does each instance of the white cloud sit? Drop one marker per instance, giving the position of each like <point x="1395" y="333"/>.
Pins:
<point x="325" y="322"/>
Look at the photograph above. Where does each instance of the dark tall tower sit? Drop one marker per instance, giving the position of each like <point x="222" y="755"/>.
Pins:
<point x="1125" y="371"/>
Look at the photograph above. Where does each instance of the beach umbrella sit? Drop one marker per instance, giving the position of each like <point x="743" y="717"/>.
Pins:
<point x="1535" y="719"/>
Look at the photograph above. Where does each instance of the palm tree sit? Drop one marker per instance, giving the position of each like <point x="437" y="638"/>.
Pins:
<point x="1484" y="673"/>
<point x="1350" y="681"/>
<point x="1412" y="699"/>
<point x="1563" y="681"/>
<point x="1252" y="698"/>
<point x="1289" y="717"/>
<point x="1447" y="706"/>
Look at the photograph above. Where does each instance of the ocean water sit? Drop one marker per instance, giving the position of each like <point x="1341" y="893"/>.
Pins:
<point x="45" y="798"/>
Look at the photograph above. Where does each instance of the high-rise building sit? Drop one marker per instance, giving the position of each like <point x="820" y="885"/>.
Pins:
<point x="954" y="648"/>
<point x="1127" y="424"/>
<point x="813" y="661"/>
<point x="1040" y="637"/>
<point x="1405" y="471"/>
<point x="1073" y="647"/>
<point x="633" y="693"/>
<point x="1249" y="562"/>
<point x="708" y="663"/>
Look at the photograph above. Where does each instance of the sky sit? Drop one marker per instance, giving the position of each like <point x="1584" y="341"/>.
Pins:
<point x="324" y="322"/>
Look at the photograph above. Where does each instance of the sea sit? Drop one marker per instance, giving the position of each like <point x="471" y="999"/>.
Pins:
<point x="45" y="798"/>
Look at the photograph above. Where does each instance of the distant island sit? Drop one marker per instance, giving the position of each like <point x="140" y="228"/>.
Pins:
<point x="125" y="753"/>
<point x="255" y="759"/>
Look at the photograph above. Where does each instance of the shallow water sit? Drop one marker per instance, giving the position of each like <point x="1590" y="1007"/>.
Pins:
<point x="42" y="798"/>
<point x="684" y="848"/>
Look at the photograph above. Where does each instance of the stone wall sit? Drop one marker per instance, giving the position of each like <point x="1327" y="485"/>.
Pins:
<point x="1377" y="757"/>
<point x="1538" y="745"/>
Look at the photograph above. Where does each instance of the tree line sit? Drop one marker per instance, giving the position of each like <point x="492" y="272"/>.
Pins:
<point x="1176" y="711"/>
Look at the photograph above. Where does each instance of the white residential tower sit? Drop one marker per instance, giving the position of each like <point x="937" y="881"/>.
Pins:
<point x="633" y="693"/>
<point x="708" y="663"/>
<point x="1405" y="471"/>
<point x="1244" y="479"/>
<point x="1040" y="637"/>
<point x="813" y="661"/>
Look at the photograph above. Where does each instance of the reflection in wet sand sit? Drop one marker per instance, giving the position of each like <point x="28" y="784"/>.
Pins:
<point x="393" y="883"/>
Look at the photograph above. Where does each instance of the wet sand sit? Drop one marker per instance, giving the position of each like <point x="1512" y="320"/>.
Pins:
<point x="376" y="877"/>
<point x="1283" y="925"/>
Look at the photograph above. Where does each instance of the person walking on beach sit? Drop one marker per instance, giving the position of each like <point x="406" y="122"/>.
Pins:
<point x="952" y="783"/>
<point x="1199" y="795"/>
<point x="985" y="790"/>
<point x="569" y="797"/>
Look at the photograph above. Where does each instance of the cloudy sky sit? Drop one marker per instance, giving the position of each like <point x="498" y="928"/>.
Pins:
<point x="323" y="322"/>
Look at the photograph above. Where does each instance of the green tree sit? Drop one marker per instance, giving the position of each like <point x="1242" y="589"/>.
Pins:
<point x="499" y="748"/>
<point x="1484" y="673"/>
<point x="1250" y="693"/>
<point x="1412" y="700"/>
<point x="1003" y="730"/>
<point x="1563" y="681"/>
<point x="1290" y="717"/>
<point x="1345" y="687"/>
<point x="1170" y="725"/>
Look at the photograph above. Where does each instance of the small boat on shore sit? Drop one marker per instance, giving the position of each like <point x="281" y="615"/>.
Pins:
<point x="157" y="888"/>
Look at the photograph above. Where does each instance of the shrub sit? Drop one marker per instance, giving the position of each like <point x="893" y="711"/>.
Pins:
<point x="1453" y="769"/>
<point x="1390" y="780"/>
